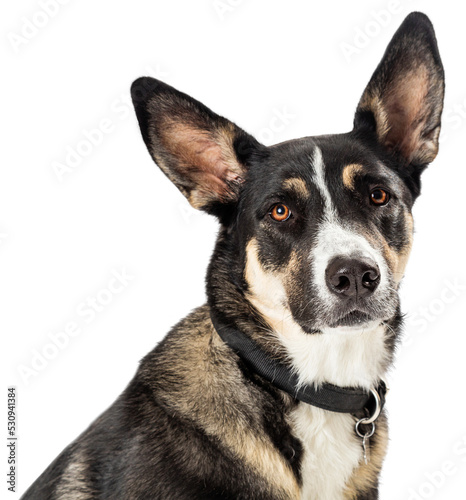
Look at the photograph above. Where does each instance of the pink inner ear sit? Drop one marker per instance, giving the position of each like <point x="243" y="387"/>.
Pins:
<point x="407" y="111"/>
<point x="205" y="158"/>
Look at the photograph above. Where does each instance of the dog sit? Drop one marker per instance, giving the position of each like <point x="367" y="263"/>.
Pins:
<point x="274" y="389"/>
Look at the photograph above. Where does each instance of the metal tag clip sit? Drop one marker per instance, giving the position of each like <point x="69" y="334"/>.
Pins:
<point x="369" y="420"/>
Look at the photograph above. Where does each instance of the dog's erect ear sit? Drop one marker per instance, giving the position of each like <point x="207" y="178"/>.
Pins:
<point x="404" y="98"/>
<point x="203" y="154"/>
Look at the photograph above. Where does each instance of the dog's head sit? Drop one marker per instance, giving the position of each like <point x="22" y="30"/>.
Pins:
<point x="316" y="229"/>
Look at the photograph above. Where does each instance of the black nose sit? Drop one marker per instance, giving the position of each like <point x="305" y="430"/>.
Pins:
<point x="352" y="277"/>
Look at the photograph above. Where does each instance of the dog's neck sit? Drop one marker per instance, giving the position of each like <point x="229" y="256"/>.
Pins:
<point x="341" y="399"/>
<point x="345" y="357"/>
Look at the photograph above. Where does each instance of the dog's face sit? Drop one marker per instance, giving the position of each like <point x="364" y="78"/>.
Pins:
<point x="319" y="228"/>
<point x="327" y="229"/>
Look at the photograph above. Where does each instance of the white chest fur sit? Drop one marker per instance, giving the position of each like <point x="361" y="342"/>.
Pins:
<point x="341" y="356"/>
<point x="331" y="451"/>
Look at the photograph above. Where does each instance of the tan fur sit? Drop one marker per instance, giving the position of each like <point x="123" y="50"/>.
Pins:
<point x="349" y="173"/>
<point x="364" y="476"/>
<point x="267" y="289"/>
<point x="73" y="484"/>
<point x="370" y="102"/>
<point x="221" y="155"/>
<point x="397" y="260"/>
<point x="207" y="372"/>
<point x="298" y="186"/>
<point x="207" y="159"/>
<point x="404" y="127"/>
<point x="407" y="123"/>
<point x="403" y="257"/>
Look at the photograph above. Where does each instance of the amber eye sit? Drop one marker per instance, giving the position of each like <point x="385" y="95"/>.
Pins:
<point x="280" y="212"/>
<point x="379" y="197"/>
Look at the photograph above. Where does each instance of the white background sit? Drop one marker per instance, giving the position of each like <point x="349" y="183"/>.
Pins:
<point x="60" y="241"/>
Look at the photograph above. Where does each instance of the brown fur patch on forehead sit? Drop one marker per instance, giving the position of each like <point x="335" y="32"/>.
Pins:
<point x="349" y="173"/>
<point x="297" y="186"/>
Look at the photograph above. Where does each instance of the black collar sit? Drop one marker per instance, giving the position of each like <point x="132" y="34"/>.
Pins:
<point x="326" y="396"/>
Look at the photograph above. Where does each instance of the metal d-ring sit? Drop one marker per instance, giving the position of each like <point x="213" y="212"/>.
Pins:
<point x="377" y="410"/>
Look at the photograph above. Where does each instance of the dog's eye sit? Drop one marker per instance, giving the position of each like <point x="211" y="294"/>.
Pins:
<point x="379" y="197"/>
<point x="280" y="212"/>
